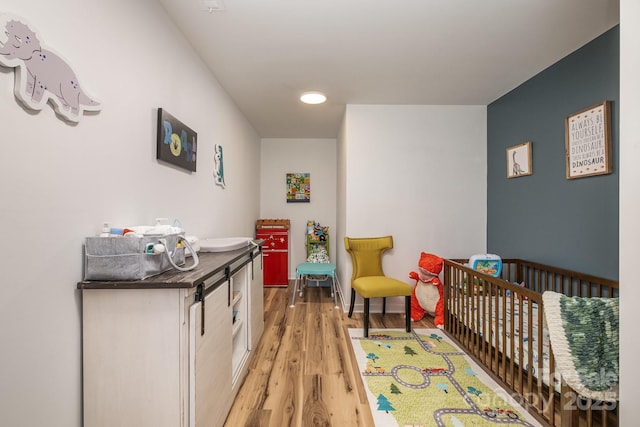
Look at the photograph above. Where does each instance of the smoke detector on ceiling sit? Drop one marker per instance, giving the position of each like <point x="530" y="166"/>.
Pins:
<point x="212" y="5"/>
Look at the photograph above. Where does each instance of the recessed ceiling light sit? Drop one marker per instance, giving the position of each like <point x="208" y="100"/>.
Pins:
<point x="313" y="98"/>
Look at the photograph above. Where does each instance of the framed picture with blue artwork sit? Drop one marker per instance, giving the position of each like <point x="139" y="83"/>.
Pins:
<point x="177" y="143"/>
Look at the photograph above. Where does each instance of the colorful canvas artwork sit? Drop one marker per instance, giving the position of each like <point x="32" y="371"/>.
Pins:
<point x="298" y="188"/>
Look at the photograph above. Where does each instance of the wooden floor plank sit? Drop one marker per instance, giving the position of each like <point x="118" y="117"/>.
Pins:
<point x="303" y="372"/>
<point x="316" y="412"/>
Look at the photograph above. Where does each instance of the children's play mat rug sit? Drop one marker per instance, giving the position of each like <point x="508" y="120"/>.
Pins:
<point x="422" y="378"/>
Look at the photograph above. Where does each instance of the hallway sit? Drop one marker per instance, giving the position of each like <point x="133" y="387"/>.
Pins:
<point x="303" y="373"/>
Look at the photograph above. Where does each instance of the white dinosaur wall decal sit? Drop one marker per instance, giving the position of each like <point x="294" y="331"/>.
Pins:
<point x="41" y="74"/>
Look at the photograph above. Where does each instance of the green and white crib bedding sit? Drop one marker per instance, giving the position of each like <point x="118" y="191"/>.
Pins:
<point x="584" y="334"/>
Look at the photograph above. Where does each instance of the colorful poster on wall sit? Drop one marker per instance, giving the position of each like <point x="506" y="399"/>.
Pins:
<point x="298" y="188"/>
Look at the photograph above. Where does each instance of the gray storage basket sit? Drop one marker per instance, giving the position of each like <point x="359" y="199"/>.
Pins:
<point x="124" y="257"/>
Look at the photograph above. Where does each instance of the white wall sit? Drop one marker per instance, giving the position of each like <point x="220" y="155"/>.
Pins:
<point x="418" y="173"/>
<point x="341" y="200"/>
<point x="629" y="208"/>
<point x="61" y="181"/>
<point x="318" y="158"/>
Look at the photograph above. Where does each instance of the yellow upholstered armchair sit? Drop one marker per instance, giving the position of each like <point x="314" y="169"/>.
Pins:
<point x="368" y="279"/>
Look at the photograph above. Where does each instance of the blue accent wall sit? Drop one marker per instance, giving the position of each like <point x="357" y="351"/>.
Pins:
<point x="545" y="217"/>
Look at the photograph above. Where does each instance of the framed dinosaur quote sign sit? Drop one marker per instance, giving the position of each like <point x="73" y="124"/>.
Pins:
<point x="588" y="141"/>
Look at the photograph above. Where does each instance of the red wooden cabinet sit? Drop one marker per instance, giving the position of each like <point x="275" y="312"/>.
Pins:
<point x="275" y="251"/>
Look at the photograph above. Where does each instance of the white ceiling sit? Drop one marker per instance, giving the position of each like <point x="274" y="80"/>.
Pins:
<point x="265" y="53"/>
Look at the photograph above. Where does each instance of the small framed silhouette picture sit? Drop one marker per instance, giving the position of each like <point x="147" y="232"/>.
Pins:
<point x="519" y="160"/>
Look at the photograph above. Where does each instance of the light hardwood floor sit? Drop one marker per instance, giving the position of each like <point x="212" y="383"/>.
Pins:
<point x="303" y="372"/>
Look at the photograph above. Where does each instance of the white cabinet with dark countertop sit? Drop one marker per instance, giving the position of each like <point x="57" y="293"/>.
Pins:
<point x="171" y="350"/>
